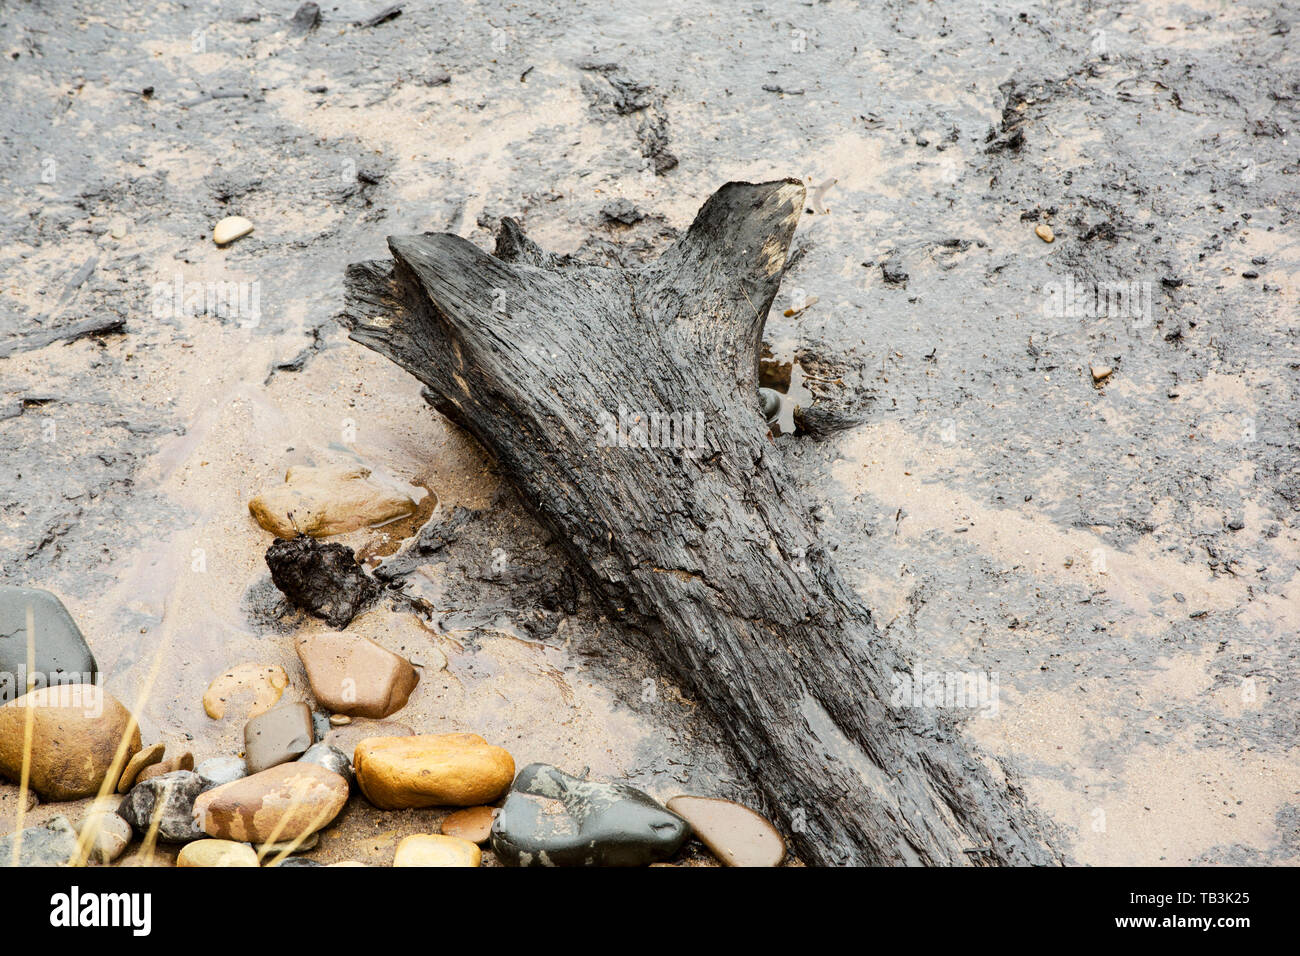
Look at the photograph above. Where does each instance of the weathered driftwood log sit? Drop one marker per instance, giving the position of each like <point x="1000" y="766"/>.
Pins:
<point x="701" y="540"/>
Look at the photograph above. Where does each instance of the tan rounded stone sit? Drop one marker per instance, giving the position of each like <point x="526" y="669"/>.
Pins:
<point x="263" y="683"/>
<point x="735" y="834"/>
<point x="1044" y="232"/>
<point x="353" y="675"/>
<point x="217" y="853"/>
<point x="76" y="730"/>
<point x="474" y="824"/>
<point x="327" y="500"/>
<point x="431" y="770"/>
<point x="144" y="759"/>
<point x="184" y="761"/>
<point x="287" y="802"/>
<point x="431" y="849"/>
<point x="230" y="229"/>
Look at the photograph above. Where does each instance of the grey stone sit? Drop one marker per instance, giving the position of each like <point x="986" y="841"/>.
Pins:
<point x="281" y="734"/>
<point x="551" y="818"/>
<point x="111" y="835"/>
<point x="61" y="653"/>
<point x="171" y="796"/>
<point x="331" y="758"/>
<point x="53" y="844"/>
<point x="219" y="770"/>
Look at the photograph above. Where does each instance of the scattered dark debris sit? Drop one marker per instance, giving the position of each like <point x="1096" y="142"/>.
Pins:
<point x="305" y="19"/>
<point x="383" y="16"/>
<point x="819" y="421"/>
<point x="618" y="92"/>
<point x="299" y="361"/>
<point x="78" y="277"/>
<point x="87" y="328"/>
<point x="1009" y="134"/>
<point x="771" y="88"/>
<point x="523" y="77"/>
<point x="652" y="132"/>
<point x="622" y="211"/>
<point x="433" y="538"/>
<point x="1100" y="230"/>
<point x="322" y="579"/>
<point x="218" y="94"/>
<point x="893" y="272"/>
<point x="611" y="89"/>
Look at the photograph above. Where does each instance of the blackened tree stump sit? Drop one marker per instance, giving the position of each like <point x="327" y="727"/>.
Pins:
<point x="706" y="545"/>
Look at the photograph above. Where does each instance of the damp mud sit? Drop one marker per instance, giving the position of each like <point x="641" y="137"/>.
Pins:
<point x="1118" y="557"/>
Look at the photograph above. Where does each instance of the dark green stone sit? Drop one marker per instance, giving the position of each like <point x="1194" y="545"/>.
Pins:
<point x="602" y="824"/>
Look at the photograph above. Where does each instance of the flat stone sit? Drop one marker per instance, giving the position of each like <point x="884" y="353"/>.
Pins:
<point x="355" y="676"/>
<point x="219" y="770"/>
<point x="431" y="770"/>
<point x="735" y="834"/>
<point x="430" y="849"/>
<point x="474" y="824"/>
<point x="287" y="802"/>
<point x="217" y="853"/>
<point x="552" y="818"/>
<point x="148" y="757"/>
<point x="106" y="834"/>
<point x="281" y="734"/>
<point x="230" y="229"/>
<point x="296" y="862"/>
<point x="1100" y="372"/>
<point x="331" y="758"/>
<point x="261" y="685"/>
<point x="340" y="720"/>
<point x="54" y="844"/>
<point x="76" y="729"/>
<point x="170" y="799"/>
<point x="182" y="761"/>
<point x="61" y="655"/>
<point x="326" y="500"/>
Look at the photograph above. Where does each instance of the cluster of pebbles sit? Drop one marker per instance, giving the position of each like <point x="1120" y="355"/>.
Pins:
<point x="63" y="737"/>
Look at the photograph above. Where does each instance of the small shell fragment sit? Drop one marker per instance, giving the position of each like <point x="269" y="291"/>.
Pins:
<point x="230" y="229"/>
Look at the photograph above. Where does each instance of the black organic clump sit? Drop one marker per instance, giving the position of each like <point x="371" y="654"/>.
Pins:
<point x="322" y="579"/>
